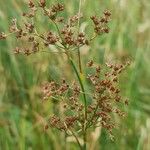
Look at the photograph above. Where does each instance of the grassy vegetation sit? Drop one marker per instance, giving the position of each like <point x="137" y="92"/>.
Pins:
<point x="22" y="112"/>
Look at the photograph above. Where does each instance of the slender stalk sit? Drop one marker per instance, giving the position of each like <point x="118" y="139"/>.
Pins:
<point x="65" y="142"/>
<point x="81" y="84"/>
<point x="76" y="138"/>
<point x="79" y="59"/>
<point x="58" y="31"/>
<point x="79" y="55"/>
<point x="80" y="69"/>
<point x="85" y="102"/>
<point x="84" y="139"/>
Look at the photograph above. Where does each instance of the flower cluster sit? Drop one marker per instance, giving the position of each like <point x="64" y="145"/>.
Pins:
<point x="104" y="99"/>
<point x="53" y="11"/>
<point x="53" y="89"/>
<point x="101" y="22"/>
<point x="106" y="93"/>
<point x="67" y="37"/>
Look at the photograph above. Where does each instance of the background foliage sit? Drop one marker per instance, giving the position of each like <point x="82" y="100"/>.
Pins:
<point x="22" y="112"/>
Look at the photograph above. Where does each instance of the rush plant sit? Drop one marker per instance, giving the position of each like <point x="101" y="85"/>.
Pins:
<point x="80" y="110"/>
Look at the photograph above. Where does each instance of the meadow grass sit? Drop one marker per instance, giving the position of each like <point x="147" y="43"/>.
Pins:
<point x="22" y="113"/>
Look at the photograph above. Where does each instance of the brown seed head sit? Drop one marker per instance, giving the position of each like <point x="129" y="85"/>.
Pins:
<point x="31" y="4"/>
<point x="42" y="3"/>
<point x="2" y="36"/>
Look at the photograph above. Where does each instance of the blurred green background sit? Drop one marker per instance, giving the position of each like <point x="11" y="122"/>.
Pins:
<point x="22" y="112"/>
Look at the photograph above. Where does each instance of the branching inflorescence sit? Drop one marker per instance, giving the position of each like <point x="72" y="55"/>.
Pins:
<point x="81" y="109"/>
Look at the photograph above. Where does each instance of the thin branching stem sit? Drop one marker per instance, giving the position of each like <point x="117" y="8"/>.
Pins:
<point x="79" y="55"/>
<point x="80" y="68"/>
<point x="85" y="102"/>
<point x="76" y="138"/>
<point x="81" y="84"/>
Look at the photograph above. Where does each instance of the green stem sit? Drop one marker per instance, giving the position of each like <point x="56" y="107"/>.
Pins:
<point x="84" y="139"/>
<point x="76" y="138"/>
<point x="85" y="102"/>
<point x="79" y="59"/>
<point x="81" y="84"/>
<point x="79" y="55"/>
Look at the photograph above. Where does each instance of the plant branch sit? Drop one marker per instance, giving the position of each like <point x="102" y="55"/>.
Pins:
<point x="76" y="138"/>
<point x="79" y="55"/>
